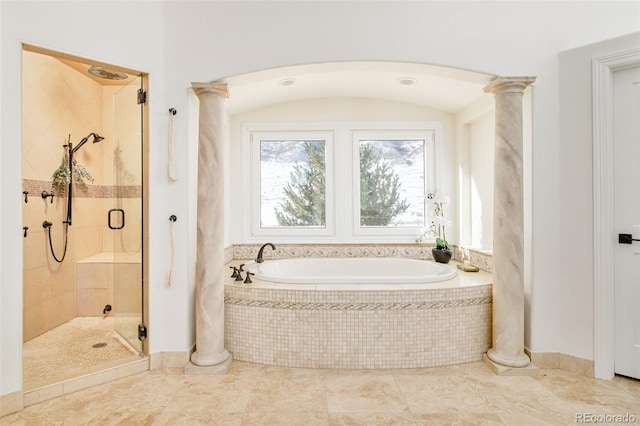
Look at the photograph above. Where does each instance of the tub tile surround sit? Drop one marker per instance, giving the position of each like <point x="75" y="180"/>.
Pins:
<point x="359" y="326"/>
<point x="482" y="260"/>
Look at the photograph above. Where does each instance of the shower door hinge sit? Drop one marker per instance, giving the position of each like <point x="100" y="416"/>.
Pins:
<point x="142" y="96"/>
<point x="142" y="332"/>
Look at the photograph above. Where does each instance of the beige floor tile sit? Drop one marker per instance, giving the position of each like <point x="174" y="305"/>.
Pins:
<point x="251" y="394"/>
<point x="297" y="393"/>
<point x="371" y="419"/>
<point x="364" y="393"/>
<point x="295" y="418"/>
<point x="466" y="419"/>
<point x="441" y="394"/>
<point x="524" y="416"/>
<point x="198" y="419"/>
<point x="584" y="394"/>
<point x="520" y="394"/>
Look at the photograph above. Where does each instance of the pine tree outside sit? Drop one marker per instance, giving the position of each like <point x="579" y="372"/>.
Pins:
<point x="292" y="184"/>
<point x="387" y="169"/>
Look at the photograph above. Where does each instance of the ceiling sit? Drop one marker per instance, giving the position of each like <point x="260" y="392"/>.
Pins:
<point x="445" y="89"/>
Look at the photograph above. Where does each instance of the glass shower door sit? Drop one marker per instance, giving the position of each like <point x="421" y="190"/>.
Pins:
<point x="124" y="216"/>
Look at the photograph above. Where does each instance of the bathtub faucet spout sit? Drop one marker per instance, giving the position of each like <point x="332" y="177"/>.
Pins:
<point x="259" y="259"/>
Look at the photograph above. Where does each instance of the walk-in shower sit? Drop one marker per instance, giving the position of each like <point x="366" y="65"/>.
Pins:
<point x="76" y="263"/>
<point x="69" y="192"/>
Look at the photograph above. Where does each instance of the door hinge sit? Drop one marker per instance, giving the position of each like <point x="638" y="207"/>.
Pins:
<point x="142" y="96"/>
<point x="142" y="332"/>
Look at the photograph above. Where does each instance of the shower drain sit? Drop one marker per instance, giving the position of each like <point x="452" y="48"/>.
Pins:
<point x="99" y="345"/>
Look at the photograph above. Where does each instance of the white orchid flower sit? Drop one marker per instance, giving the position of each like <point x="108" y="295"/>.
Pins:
<point x="441" y="199"/>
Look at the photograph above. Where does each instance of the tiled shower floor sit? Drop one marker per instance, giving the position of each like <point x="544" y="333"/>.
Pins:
<point x="67" y="351"/>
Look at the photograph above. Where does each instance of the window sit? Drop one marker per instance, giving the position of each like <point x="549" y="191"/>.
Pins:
<point x="381" y="175"/>
<point x="394" y="170"/>
<point x="292" y="183"/>
<point x="292" y="178"/>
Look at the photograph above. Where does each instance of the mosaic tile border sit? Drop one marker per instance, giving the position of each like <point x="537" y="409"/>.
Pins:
<point x="482" y="260"/>
<point x="308" y="306"/>
<point x="35" y="188"/>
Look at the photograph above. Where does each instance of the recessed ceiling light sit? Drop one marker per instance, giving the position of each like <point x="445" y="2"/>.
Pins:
<point x="287" y="81"/>
<point x="407" y="81"/>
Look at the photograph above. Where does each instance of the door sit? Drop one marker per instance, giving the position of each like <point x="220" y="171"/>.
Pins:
<point x="626" y="140"/>
<point x="124" y="216"/>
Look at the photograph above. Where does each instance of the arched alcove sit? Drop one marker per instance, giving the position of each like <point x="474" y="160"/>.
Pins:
<point x="509" y="273"/>
<point x="390" y="91"/>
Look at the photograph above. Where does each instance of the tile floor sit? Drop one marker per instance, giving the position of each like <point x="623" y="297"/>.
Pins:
<point x="68" y="351"/>
<point x="253" y="394"/>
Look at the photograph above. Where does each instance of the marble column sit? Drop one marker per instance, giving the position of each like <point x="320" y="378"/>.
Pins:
<point x="210" y="355"/>
<point x="508" y="224"/>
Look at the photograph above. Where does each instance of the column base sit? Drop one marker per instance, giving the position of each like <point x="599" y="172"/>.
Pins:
<point x="217" y="369"/>
<point x="503" y="370"/>
<point x="521" y="360"/>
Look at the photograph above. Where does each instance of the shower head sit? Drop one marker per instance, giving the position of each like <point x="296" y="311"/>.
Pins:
<point x="96" y="138"/>
<point x="107" y="73"/>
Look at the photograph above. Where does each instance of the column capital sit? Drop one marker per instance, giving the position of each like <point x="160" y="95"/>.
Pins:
<point x="211" y="88"/>
<point x="508" y="84"/>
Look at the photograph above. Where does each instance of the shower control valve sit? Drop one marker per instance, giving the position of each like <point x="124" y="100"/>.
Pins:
<point x="46" y="195"/>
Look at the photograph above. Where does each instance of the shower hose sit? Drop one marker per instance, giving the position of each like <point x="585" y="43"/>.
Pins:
<point x="66" y="234"/>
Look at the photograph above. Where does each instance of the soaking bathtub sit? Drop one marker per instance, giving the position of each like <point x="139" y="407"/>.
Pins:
<point x="357" y="313"/>
<point x="363" y="270"/>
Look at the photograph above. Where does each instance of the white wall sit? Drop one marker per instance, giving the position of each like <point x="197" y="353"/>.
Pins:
<point x="333" y="110"/>
<point x="575" y="205"/>
<point x="475" y="139"/>
<point x="181" y="42"/>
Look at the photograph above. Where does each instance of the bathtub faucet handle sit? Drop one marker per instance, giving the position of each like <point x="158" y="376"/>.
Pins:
<point x="248" y="280"/>
<point x="239" y="276"/>
<point x="235" y="271"/>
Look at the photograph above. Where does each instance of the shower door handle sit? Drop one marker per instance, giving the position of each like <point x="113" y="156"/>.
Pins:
<point x="110" y="216"/>
<point x="626" y="239"/>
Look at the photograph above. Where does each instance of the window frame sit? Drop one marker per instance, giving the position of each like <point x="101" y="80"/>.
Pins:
<point x="257" y="231"/>
<point x="342" y="171"/>
<point x="430" y="178"/>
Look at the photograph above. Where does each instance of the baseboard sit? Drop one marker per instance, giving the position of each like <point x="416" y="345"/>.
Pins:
<point x="11" y="403"/>
<point x="562" y="361"/>
<point x="176" y="359"/>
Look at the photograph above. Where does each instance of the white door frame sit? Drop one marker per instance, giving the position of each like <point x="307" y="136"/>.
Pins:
<point x="603" y="186"/>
